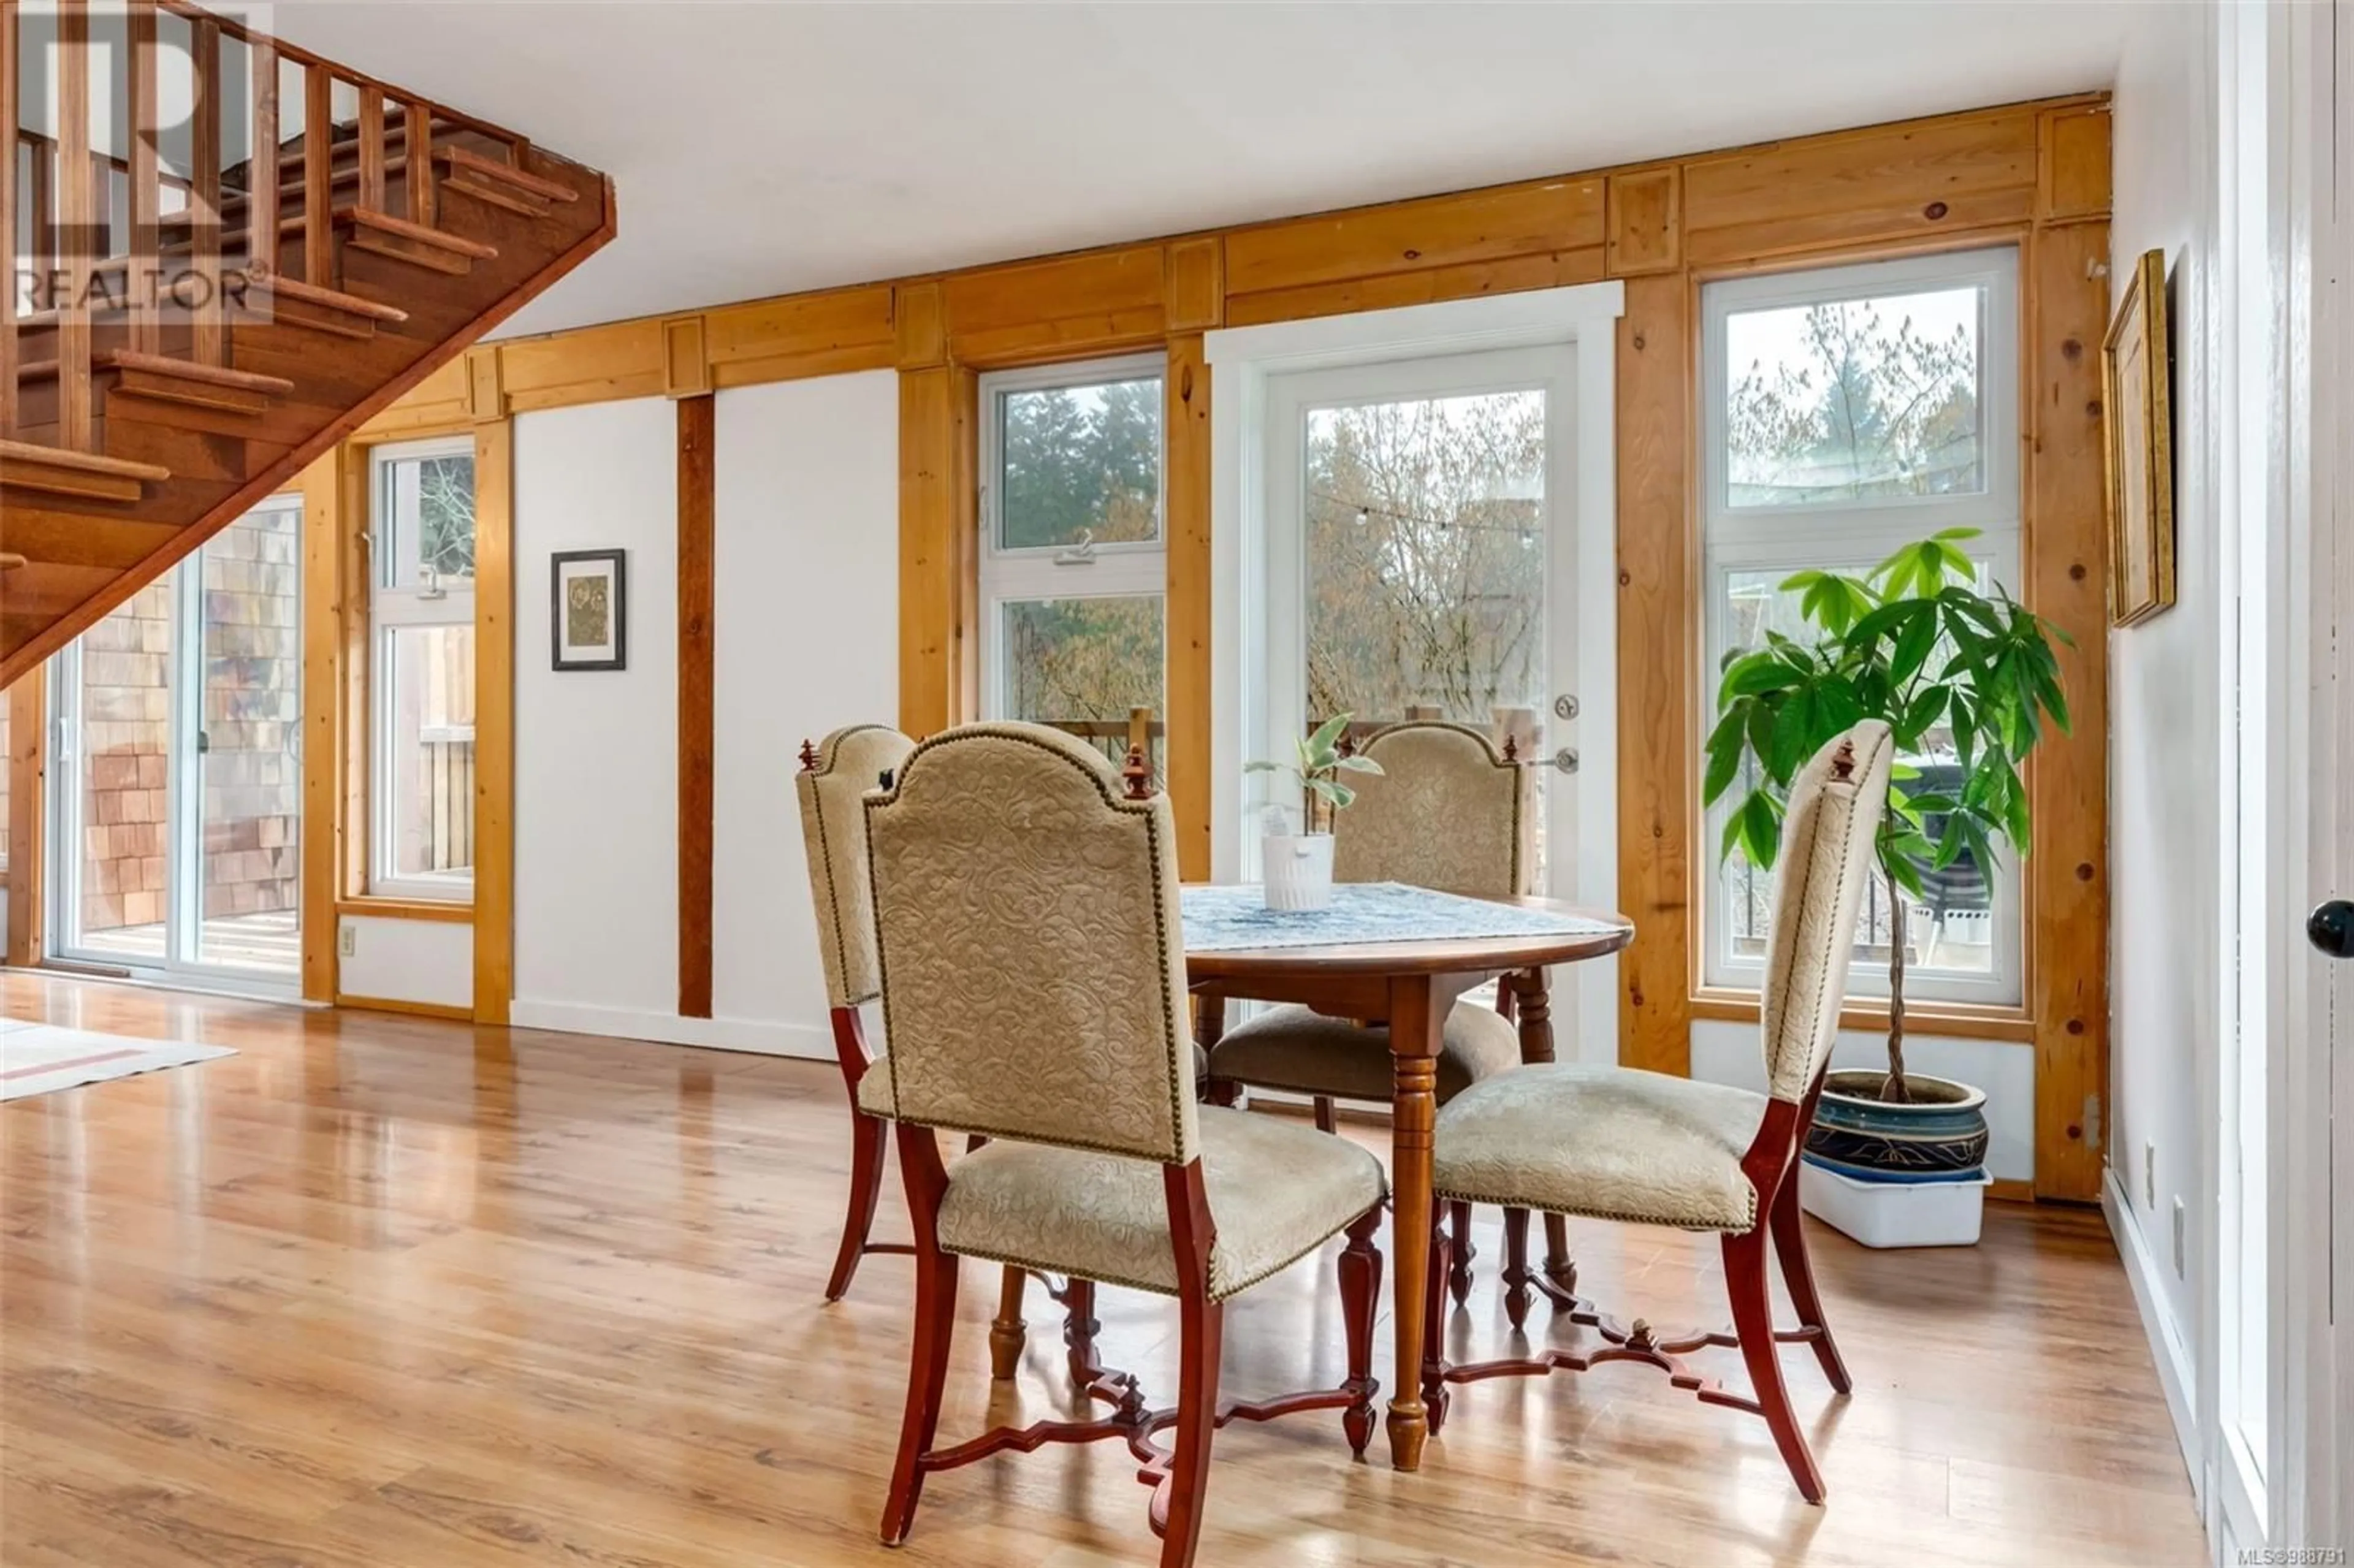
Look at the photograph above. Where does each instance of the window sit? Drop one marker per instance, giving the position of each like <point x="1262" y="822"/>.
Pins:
<point x="421" y="624"/>
<point x="1849" y="411"/>
<point x="1074" y="564"/>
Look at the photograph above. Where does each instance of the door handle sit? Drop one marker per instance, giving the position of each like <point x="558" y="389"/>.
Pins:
<point x="2330" y="928"/>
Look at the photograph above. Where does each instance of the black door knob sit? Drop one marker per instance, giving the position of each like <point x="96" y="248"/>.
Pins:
<point x="2330" y="928"/>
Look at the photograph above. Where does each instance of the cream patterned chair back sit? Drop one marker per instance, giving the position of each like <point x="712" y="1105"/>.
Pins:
<point x="849" y="763"/>
<point x="1448" y="811"/>
<point x="1827" y="858"/>
<point x="1033" y="955"/>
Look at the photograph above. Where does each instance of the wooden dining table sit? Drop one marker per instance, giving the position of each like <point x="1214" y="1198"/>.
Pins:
<point x="1408" y="984"/>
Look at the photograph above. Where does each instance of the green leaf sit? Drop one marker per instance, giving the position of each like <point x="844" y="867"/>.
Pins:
<point x="1355" y="764"/>
<point x="1724" y="757"/>
<point x="1914" y="645"/>
<point x="1761" y="830"/>
<point x="1327" y="734"/>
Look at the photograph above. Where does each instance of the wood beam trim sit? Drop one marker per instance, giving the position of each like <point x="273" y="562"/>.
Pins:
<point x="2065" y="573"/>
<point x="1185" y="484"/>
<point x="27" y="762"/>
<point x="920" y="324"/>
<point x="1646" y="222"/>
<point x="321" y="721"/>
<point x="686" y="362"/>
<point x="698" y="589"/>
<point x="1658" y="589"/>
<point x="935" y="517"/>
<point x="495" y="720"/>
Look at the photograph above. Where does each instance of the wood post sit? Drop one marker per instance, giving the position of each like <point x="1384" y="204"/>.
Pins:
<point x="318" y="176"/>
<point x="76" y="218"/>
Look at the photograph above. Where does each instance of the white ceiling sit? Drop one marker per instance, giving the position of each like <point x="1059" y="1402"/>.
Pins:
<point x="764" y="148"/>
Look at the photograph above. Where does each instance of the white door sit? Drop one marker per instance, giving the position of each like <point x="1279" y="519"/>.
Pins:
<point x="1428" y="555"/>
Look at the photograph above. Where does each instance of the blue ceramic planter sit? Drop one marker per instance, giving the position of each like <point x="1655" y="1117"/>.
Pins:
<point x="1942" y="1133"/>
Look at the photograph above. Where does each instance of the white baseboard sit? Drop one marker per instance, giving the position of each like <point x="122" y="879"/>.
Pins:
<point x="806" y="1041"/>
<point x="2166" y="1347"/>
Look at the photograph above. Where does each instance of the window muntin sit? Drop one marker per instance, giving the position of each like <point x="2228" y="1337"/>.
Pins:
<point x="1932" y="341"/>
<point x="1074" y="566"/>
<point x="421" y="684"/>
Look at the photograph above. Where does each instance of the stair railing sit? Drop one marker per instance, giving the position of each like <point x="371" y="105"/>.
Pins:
<point x="176" y="266"/>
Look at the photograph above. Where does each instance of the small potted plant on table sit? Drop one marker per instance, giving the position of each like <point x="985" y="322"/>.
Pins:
<point x="1297" y="867"/>
<point x="1972" y="679"/>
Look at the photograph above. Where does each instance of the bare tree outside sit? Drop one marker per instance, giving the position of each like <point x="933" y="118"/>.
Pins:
<point x="1426" y="557"/>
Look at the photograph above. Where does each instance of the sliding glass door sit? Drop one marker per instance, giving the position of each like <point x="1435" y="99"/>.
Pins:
<point x="176" y="801"/>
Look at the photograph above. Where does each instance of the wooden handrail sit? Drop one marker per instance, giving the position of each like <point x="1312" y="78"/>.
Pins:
<point x="304" y="58"/>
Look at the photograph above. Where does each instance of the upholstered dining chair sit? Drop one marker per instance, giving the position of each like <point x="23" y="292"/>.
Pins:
<point x="832" y="777"/>
<point x="1034" y="994"/>
<point x="1448" y="811"/>
<point x="1617" y="1143"/>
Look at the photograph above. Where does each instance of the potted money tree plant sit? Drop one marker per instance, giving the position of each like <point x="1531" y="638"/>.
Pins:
<point x="1968" y="682"/>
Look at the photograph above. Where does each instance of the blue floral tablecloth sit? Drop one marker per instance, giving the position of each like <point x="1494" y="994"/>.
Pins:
<point x="1225" y="918"/>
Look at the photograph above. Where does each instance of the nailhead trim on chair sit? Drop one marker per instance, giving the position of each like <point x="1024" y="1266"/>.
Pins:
<point x="833" y="893"/>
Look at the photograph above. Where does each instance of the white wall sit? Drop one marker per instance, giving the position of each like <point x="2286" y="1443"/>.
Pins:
<point x="1724" y="1052"/>
<point x="807" y="624"/>
<point x="806" y="637"/>
<point x="596" y="938"/>
<point x="2167" y="706"/>
<point x="427" y="962"/>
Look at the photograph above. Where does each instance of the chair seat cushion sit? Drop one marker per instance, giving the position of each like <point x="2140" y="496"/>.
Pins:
<point x="1305" y="1052"/>
<point x="874" y="1089"/>
<point x="1277" y="1189"/>
<point x="1615" y="1143"/>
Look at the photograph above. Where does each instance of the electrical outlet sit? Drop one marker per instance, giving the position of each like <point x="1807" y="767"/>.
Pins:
<point x="2181" y="1218"/>
<point x="351" y="943"/>
<point x="2148" y="1171"/>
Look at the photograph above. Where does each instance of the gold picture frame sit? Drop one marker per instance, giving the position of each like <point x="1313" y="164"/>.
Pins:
<point x="2136" y="385"/>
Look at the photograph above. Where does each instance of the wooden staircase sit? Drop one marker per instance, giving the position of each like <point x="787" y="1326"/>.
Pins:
<point x="206" y="308"/>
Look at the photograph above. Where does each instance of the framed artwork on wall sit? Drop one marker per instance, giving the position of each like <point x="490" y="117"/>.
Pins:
<point x="588" y="609"/>
<point x="2136" y="375"/>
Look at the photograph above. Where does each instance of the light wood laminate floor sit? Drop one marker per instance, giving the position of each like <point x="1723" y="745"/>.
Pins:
<point x="386" y="1291"/>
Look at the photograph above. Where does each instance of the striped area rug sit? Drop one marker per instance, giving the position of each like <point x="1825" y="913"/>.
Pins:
<point x="41" y="1058"/>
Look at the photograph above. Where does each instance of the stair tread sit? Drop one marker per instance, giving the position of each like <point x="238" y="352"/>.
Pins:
<point x="522" y="179"/>
<point x="164" y="364"/>
<point x="83" y="462"/>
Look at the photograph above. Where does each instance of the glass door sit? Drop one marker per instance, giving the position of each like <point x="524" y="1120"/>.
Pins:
<point x="174" y="818"/>
<point x="1422" y="519"/>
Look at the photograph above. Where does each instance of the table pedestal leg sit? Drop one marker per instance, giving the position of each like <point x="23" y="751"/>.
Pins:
<point x="1414" y="1046"/>
<point x="1533" y="1005"/>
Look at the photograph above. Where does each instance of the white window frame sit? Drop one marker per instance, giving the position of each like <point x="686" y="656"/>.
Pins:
<point x="1132" y="569"/>
<point x="1860" y="534"/>
<point x="393" y="607"/>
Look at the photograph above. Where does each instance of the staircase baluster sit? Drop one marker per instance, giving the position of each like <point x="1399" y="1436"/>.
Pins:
<point x="9" y="356"/>
<point x="318" y="176"/>
<point x="77" y="225"/>
<point x="371" y="156"/>
<point x="420" y="164"/>
<point x="262" y="196"/>
<point x="210" y="316"/>
<point x="143" y="277"/>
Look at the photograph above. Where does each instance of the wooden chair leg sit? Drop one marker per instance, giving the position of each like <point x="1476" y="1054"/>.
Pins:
<point x="1753" y="1322"/>
<point x="1361" y="1296"/>
<point x="1324" y="1119"/>
<point x="1224" y="1091"/>
<point x="1433" y="1333"/>
<point x="1517" y="1294"/>
<point x="927" y="1370"/>
<point x="866" y="1134"/>
<point x="1560" y="1267"/>
<point x="1079" y="1329"/>
<point x="1007" y="1331"/>
<point x="1798" y="1275"/>
<point x="1460" y="1252"/>
<point x="1201" y="1330"/>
